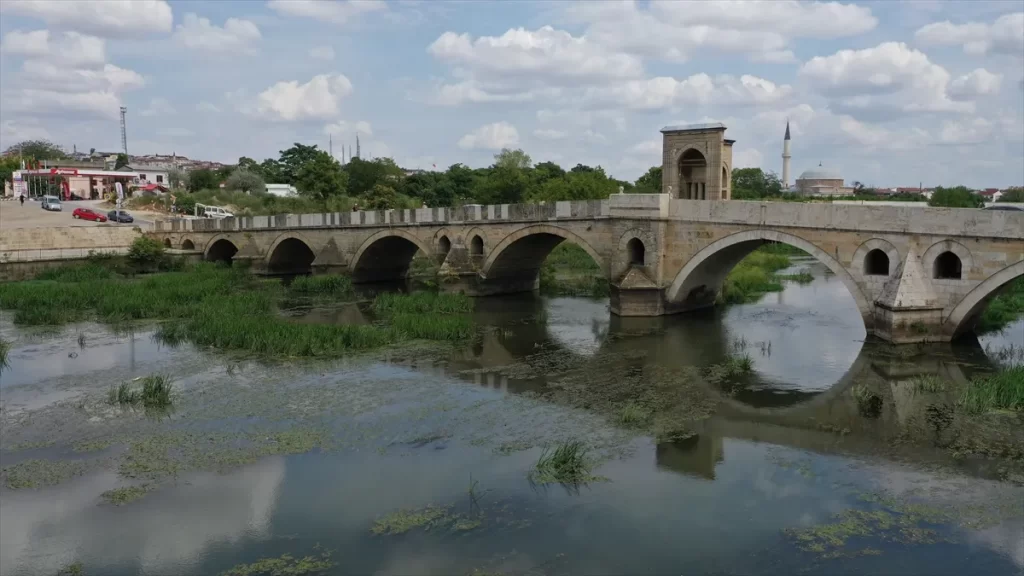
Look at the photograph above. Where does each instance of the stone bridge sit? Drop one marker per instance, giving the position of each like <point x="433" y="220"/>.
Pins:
<point x="916" y="273"/>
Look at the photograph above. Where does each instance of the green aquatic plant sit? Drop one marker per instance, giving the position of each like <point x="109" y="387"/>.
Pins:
<point x="1007" y="307"/>
<point x="634" y="414"/>
<point x="568" y="463"/>
<point x="1003" y="390"/>
<point x="155" y="393"/>
<point x="5" y="349"/>
<point x="402" y="521"/>
<point x="128" y="494"/>
<point x="333" y="285"/>
<point x="284" y="565"/>
<point x="390" y="303"/>
<point x="74" y="569"/>
<point x="38" y="473"/>
<point x="801" y="278"/>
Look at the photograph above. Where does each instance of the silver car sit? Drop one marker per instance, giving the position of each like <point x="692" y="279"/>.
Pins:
<point x="51" y="203"/>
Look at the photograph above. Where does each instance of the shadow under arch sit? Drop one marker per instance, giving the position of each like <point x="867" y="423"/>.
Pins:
<point x="517" y="259"/>
<point x="385" y="256"/>
<point x="697" y="285"/>
<point x="962" y="318"/>
<point x="220" y="250"/>
<point x="290" y="254"/>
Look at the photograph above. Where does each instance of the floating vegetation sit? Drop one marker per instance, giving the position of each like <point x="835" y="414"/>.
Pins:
<point x="567" y="464"/>
<point x="928" y="383"/>
<point x="120" y="496"/>
<point x="634" y="414"/>
<point x="73" y="569"/>
<point x="390" y="303"/>
<point x="285" y="565"/>
<point x="39" y="473"/>
<point x="323" y="285"/>
<point x="404" y="520"/>
<point x="5" y="348"/>
<point x="155" y="393"/>
<point x="1003" y="390"/>
<point x="801" y="278"/>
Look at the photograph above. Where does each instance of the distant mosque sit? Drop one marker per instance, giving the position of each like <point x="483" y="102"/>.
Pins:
<point x="818" y="181"/>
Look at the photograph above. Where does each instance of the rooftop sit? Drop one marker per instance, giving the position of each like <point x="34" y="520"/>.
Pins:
<point x="694" y="127"/>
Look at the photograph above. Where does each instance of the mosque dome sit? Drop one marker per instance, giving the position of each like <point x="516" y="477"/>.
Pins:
<point x="820" y="172"/>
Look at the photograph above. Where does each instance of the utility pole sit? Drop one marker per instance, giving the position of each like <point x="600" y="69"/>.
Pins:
<point x="358" y="155"/>
<point x="124" y="131"/>
<point x="330" y="145"/>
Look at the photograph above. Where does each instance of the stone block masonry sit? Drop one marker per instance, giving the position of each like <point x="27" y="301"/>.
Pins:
<point x="959" y="257"/>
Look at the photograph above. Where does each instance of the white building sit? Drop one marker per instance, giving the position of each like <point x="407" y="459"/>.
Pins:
<point x="282" y="190"/>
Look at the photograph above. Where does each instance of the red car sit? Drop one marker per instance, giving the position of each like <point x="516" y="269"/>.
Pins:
<point x="86" y="214"/>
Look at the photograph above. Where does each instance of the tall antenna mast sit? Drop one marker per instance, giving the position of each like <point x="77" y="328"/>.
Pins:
<point x="124" y="131"/>
<point x="358" y="154"/>
<point x="330" y="145"/>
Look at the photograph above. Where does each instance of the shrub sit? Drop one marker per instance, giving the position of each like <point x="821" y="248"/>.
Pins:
<point x="147" y="255"/>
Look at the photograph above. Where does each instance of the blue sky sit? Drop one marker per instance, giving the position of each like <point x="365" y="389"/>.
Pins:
<point x="889" y="93"/>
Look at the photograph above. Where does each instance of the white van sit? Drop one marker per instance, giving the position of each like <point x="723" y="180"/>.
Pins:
<point x="215" y="212"/>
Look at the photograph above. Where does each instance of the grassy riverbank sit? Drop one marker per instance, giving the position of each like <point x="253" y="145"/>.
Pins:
<point x="230" y="309"/>
<point x="1004" y="309"/>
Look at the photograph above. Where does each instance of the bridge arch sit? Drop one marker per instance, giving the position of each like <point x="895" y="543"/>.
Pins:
<point x="290" y="254"/>
<point x="938" y="259"/>
<point x="701" y="278"/>
<point x="220" y="249"/>
<point x="188" y="244"/>
<point x="965" y="313"/>
<point x="386" y="256"/>
<point x="521" y="253"/>
<point x="867" y="260"/>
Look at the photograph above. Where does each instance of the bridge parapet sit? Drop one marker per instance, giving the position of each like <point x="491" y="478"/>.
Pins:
<point x="574" y="210"/>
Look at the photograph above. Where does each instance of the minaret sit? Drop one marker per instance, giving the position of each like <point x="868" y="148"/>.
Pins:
<point x="785" y="159"/>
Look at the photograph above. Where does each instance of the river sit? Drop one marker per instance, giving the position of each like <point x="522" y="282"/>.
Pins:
<point x="832" y="454"/>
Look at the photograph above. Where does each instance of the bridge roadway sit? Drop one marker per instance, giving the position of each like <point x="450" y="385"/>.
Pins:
<point x="916" y="273"/>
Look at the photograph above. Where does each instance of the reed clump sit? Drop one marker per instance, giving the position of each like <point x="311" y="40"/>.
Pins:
<point x="568" y="463"/>
<point x="1003" y="390"/>
<point x="155" y="392"/>
<point x="333" y="285"/>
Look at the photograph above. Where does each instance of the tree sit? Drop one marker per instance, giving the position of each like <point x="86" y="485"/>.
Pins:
<point x="8" y="164"/>
<point x="245" y="181"/>
<point x="1015" y="194"/>
<point x="270" y="170"/>
<point x="121" y="162"/>
<point x="955" y="197"/>
<point x="650" y="182"/>
<point x="382" y="197"/>
<point x="502" y="186"/>
<point x="293" y="159"/>
<point x="176" y="178"/>
<point x="363" y="175"/>
<point x="754" y="183"/>
<point x="546" y="171"/>
<point x="246" y="163"/>
<point x="203" y="179"/>
<point x="512" y="159"/>
<point x="321" y="177"/>
<point x="37" y="150"/>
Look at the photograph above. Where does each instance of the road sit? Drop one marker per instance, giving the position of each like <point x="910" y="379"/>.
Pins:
<point x="31" y="215"/>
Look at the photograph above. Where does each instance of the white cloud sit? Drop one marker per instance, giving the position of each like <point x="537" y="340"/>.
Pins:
<point x="236" y="36"/>
<point x="675" y="31"/>
<point x="474" y="92"/>
<point x="322" y="53"/>
<point x="889" y="77"/>
<point x="548" y="134"/>
<point x="876" y="137"/>
<point x="491" y="137"/>
<point x="1004" y="36"/>
<point x="317" y="99"/>
<point x="175" y="132"/>
<point x="747" y="158"/>
<point x="979" y="82"/>
<point x="207" y="107"/>
<point x="343" y="127"/>
<point x="107" y="18"/>
<point x="650" y="147"/>
<point x="333" y="11"/>
<point x="158" y="107"/>
<point x="974" y="131"/>
<point x="43" y="75"/>
<point x="547" y="52"/>
<point x="37" y="103"/>
<point x="34" y="43"/>
<point x="665" y="92"/>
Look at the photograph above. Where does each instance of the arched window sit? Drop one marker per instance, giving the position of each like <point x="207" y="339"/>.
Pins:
<point x="635" y="248"/>
<point x="444" y="245"/>
<point x="167" y="242"/>
<point x="476" y="246"/>
<point x="876" y="263"/>
<point x="947" y="266"/>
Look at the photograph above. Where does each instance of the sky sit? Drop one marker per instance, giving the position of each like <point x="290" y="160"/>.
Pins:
<point x="887" y="93"/>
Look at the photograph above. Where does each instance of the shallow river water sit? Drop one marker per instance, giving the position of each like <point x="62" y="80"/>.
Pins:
<point x="830" y="456"/>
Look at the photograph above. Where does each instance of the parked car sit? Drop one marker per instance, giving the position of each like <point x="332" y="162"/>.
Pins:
<point x="215" y="212"/>
<point x="1004" y="207"/>
<point x="51" y="203"/>
<point x="87" y="214"/>
<point x="122" y="216"/>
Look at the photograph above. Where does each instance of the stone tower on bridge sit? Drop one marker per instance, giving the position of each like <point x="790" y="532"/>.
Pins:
<point x="697" y="162"/>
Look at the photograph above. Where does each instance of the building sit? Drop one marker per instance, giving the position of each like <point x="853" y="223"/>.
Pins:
<point x="282" y="190"/>
<point x="785" y="159"/>
<point x="818" y="181"/>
